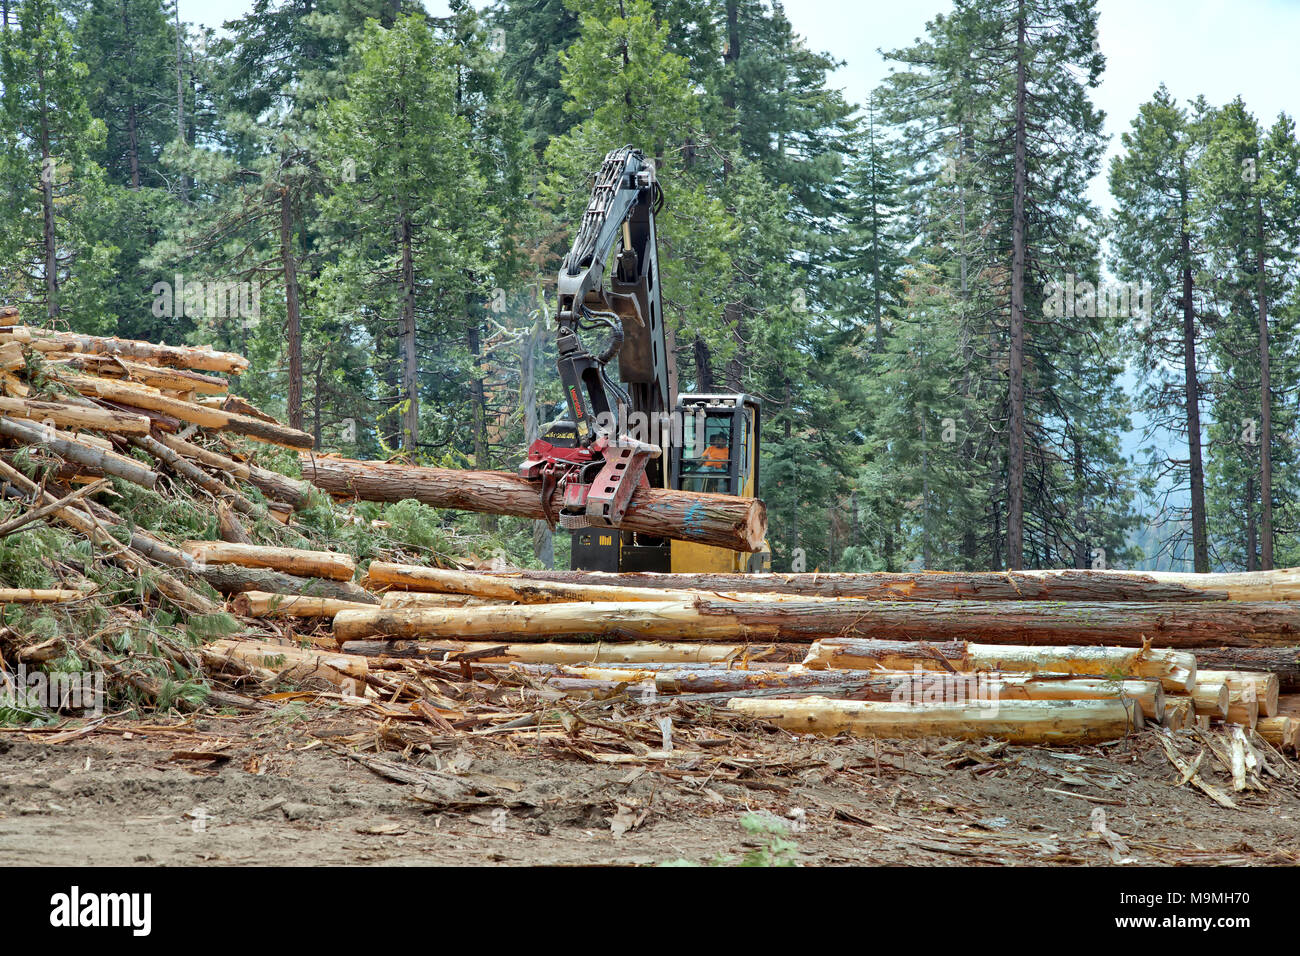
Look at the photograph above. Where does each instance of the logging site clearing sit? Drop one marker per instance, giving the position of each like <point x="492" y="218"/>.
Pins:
<point x="215" y="650"/>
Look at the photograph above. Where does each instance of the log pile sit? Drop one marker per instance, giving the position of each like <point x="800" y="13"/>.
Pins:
<point x="802" y="661"/>
<point x="1051" y="658"/>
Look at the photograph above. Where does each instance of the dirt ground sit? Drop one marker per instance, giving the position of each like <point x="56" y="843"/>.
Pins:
<point x="304" y="785"/>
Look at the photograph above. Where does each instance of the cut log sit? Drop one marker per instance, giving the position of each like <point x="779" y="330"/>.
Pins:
<point x="295" y="663"/>
<point x="151" y="375"/>
<point x="236" y="470"/>
<point x="1107" y="586"/>
<point x="1244" y="685"/>
<point x="1281" y="661"/>
<point x="173" y="356"/>
<point x="39" y="595"/>
<point x="63" y="415"/>
<point x="714" y="617"/>
<point x="96" y="460"/>
<point x="1210" y="697"/>
<point x="234" y="579"/>
<point x="265" y="604"/>
<point x="491" y="587"/>
<point x="1279" y="731"/>
<point x="739" y="524"/>
<point x="182" y="466"/>
<point x="12" y="357"/>
<point x="900" y="687"/>
<point x="396" y="599"/>
<point x="144" y="397"/>
<point x="270" y="432"/>
<point x="638" y="652"/>
<point x="538" y="622"/>
<point x="1176" y="670"/>
<point x="1179" y="713"/>
<point x="279" y="487"/>
<point x="1242" y="711"/>
<point x="317" y="564"/>
<point x="1050" y="722"/>
<point x="230" y="527"/>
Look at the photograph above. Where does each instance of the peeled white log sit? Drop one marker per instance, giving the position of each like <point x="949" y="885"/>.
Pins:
<point x="266" y="604"/>
<point x="1048" y="722"/>
<point x="1176" y="670"/>
<point x="1279" y="731"/>
<point x="1210" y="697"/>
<point x="1243" y="685"/>
<point x="1179" y="713"/>
<point x="298" y="561"/>
<point x="636" y="652"/>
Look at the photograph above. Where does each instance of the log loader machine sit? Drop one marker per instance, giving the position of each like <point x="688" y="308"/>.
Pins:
<point x="612" y="438"/>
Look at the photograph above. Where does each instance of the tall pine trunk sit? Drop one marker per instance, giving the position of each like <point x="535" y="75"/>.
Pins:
<point x="1196" y="467"/>
<point x="48" y="235"/>
<point x="1265" y="402"/>
<point x="1016" y="452"/>
<point x="293" y="329"/>
<point x="410" y="353"/>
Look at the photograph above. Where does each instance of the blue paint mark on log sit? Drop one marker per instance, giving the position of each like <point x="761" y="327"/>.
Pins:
<point x="693" y="520"/>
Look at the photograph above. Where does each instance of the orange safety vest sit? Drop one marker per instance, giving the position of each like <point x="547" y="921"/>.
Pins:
<point x="715" y="459"/>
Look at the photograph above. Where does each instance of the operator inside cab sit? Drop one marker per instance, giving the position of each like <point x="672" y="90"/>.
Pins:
<point x="714" y="465"/>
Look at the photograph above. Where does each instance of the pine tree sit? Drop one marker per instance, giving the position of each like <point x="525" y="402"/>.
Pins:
<point x="51" y="257"/>
<point x="1159" y="241"/>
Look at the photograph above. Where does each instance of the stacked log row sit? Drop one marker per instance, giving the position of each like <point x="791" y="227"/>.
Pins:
<point x="871" y="650"/>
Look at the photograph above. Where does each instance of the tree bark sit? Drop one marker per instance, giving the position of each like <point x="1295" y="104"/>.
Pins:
<point x="1196" y="467"/>
<point x="410" y="353"/>
<point x="293" y="321"/>
<point x="721" y="520"/>
<point x="1016" y="375"/>
<point x="1265" y="401"/>
<point x="234" y="579"/>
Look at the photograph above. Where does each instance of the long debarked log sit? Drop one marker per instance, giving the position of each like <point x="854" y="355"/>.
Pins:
<point x="1176" y="670"/>
<point x="900" y="687"/>
<point x="491" y="587"/>
<point x="721" y="520"/>
<point x="175" y="356"/>
<point x="713" y="617"/>
<point x="1023" y="721"/>
<point x="65" y="415"/>
<point x="318" y="564"/>
<point x="1066" y="585"/>
<point x="636" y="652"/>
<point x="39" y="595"/>
<point x="266" y="604"/>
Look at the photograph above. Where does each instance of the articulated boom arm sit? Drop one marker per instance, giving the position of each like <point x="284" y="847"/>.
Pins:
<point x="602" y="470"/>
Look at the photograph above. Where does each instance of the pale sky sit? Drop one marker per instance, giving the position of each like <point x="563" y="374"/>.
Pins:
<point x="1220" y="48"/>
